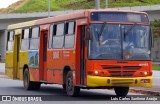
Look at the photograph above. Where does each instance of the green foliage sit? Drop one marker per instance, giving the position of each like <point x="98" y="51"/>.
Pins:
<point x="156" y="23"/>
<point x="87" y="6"/>
<point x="56" y="5"/>
<point x="156" y="68"/>
<point x="156" y="28"/>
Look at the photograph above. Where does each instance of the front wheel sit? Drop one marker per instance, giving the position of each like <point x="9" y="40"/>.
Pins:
<point x="121" y="91"/>
<point x="70" y="88"/>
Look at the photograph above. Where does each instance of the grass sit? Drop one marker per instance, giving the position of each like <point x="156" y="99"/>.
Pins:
<point x="57" y="5"/>
<point x="156" y="68"/>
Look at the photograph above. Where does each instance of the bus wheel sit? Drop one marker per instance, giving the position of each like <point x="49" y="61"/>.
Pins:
<point x="37" y="85"/>
<point x="28" y="85"/>
<point x="121" y="91"/>
<point x="70" y="88"/>
<point x="64" y="86"/>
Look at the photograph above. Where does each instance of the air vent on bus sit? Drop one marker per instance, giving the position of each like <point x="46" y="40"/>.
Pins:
<point x="121" y="70"/>
<point x="121" y="73"/>
<point x="131" y="67"/>
<point x="111" y="67"/>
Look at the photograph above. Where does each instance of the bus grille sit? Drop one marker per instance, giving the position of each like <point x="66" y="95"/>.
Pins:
<point x="121" y="70"/>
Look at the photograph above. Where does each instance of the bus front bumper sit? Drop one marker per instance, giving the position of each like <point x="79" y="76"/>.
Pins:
<point x="98" y="81"/>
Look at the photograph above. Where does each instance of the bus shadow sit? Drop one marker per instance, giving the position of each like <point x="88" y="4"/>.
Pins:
<point x="58" y="94"/>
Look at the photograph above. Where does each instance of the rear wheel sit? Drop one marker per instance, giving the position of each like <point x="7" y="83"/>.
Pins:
<point x="29" y="85"/>
<point x="121" y="91"/>
<point x="70" y="88"/>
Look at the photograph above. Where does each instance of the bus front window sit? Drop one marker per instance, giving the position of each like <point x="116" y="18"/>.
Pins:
<point x="117" y="41"/>
<point x="106" y="42"/>
<point x="136" y="42"/>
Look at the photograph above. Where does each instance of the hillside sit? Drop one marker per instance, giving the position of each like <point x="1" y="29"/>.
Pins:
<point x="25" y="6"/>
<point x="13" y="7"/>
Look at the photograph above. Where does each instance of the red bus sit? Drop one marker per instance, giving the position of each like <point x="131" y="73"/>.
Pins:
<point x="88" y="49"/>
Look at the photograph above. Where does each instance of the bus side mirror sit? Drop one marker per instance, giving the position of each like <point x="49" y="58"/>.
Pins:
<point x="88" y="33"/>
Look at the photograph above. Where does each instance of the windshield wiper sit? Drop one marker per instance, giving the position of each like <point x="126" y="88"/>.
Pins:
<point x="101" y="31"/>
<point x="126" y="33"/>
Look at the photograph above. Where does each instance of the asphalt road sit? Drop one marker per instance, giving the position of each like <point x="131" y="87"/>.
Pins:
<point x="15" y="87"/>
<point x="156" y="78"/>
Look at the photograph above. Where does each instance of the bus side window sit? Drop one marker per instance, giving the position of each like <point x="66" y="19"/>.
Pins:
<point x="58" y="36"/>
<point x="25" y="39"/>
<point x="70" y="35"/>
<point x="50" y="36"/>
<point x="10" y="40"/>
<point x="34" y="41"/>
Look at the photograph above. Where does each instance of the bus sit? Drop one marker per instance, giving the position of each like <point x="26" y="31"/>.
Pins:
<point x="92" y="49"/>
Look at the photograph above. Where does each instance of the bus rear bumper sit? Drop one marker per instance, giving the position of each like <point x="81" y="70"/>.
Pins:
<point x="98" y="81"/>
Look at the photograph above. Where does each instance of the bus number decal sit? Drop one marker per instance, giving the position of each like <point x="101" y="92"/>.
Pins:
<point x="66" y="53"/>
<point x="55" y="55"/>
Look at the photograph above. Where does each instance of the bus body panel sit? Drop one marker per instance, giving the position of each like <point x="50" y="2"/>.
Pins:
<point x="9" y="64"/>
<point x="99" y="81"/>
<point x="57" y="60"/>
<point x="23" y="60"/>
<point x="33" y="64"/>
<point x="124" y="73"/>
<point x="122" y="67"/>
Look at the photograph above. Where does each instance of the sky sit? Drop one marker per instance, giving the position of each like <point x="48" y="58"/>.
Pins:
<point x="6" y="3"/>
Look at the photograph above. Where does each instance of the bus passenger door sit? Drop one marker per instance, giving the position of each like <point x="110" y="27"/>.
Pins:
<point x="16" y="71"/>
<point x="82" y="55"/>
<point x="43" y="55"/>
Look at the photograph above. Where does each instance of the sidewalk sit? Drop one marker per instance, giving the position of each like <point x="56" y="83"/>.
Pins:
<point x="2" y="70"/>
<point x="155" y="90"/>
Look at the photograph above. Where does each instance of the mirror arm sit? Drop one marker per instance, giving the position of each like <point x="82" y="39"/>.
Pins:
<point x="88" y="33"/>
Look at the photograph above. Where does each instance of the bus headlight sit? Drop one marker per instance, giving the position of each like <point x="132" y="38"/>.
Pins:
<point x="96" y="72"/>
<point x="145" y="73"/>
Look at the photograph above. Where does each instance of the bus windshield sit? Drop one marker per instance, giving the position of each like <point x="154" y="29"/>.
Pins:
<point x="117" y="41"/>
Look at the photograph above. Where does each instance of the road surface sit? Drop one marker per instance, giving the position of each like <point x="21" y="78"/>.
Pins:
<point x="15" y="87"/>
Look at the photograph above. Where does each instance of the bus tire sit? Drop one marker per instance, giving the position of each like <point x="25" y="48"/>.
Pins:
<point x="64" y="86"/>
<point x="70" y="88"/>
<point x="37" y="85"/>
<point x="121" y="91"/>
<point x="28" y="85"/>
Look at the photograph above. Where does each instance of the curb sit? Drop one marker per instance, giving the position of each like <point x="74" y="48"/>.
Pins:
<point x="146" y="92"/>
<point x="2" y="75"/>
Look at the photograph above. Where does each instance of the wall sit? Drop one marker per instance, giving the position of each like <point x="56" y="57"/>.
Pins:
<point x="3" y="38"/>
